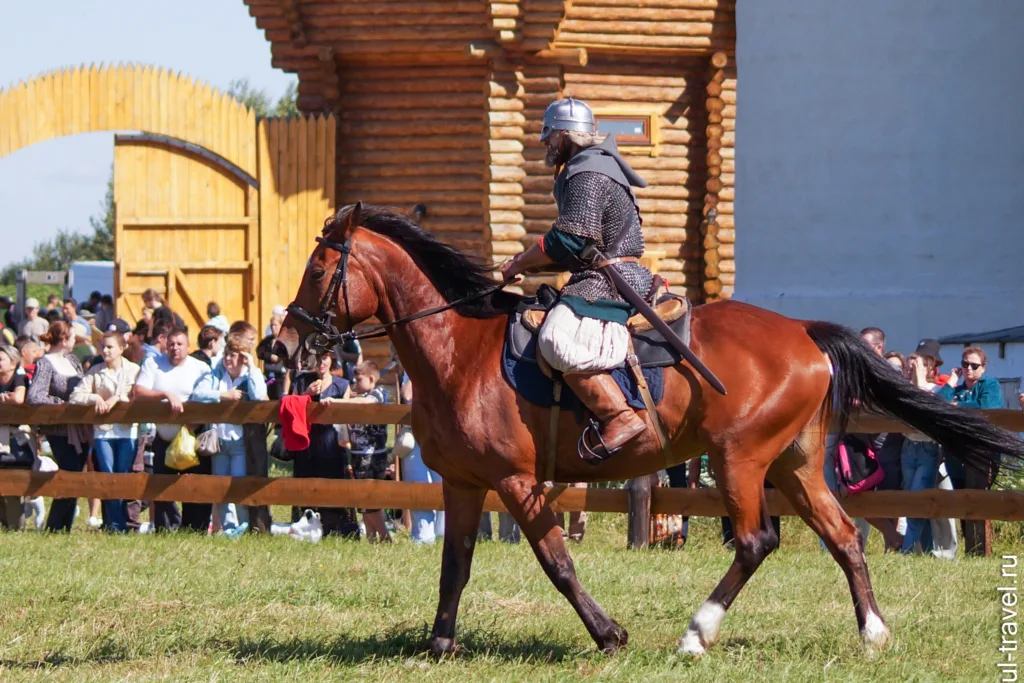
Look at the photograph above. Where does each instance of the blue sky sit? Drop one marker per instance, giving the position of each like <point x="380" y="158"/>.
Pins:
<point x="60" y="183"/>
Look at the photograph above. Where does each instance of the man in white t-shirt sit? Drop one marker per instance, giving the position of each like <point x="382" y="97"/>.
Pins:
<point x="33" y="325"/>
<point x="172" y="378"/>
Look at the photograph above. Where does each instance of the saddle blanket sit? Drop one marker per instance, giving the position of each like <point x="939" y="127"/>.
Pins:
<point x="526" y="377"/>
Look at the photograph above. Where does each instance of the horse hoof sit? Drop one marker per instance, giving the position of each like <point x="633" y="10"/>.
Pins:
<point x="875" y="635"/>
<point x="690" y="644"/>
<point x="439" y="647"/>
<point x="616" y="640"/>
<point x="703" y="630"/>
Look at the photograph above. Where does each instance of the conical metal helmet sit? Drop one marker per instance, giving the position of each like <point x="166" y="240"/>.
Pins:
<point x="568" y="114"/>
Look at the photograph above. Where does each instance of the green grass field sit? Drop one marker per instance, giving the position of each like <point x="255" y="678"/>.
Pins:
<point x="95" y="607"/>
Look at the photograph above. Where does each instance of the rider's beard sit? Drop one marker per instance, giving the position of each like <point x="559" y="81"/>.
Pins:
<point x="557" y="156"/>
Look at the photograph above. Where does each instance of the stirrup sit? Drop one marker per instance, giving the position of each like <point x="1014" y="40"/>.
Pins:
<point x="597" y="454"/>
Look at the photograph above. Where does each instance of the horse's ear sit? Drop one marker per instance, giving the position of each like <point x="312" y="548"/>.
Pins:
<point x="419" y="212"/>
<point x="352" y="218"/>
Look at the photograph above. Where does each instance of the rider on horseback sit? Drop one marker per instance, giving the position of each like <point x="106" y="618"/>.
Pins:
<point x="584" y="336"/>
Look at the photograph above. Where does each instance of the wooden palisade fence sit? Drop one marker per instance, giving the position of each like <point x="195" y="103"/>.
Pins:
<point x="212" y="203"/>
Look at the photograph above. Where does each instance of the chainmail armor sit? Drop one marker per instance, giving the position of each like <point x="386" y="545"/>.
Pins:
<point x="596" y="207"/>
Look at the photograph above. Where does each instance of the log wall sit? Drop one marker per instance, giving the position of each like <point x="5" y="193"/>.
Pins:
<point x="539" y="23"/>
<point x="417" y="134"/>
<point x="411" y="134"/>
<point x="719" y="228"/>
<point x="503" y="202"/>
<point x="521" y="207"/>
<point x="665" y="27"/>
<point x="312" y="38"/>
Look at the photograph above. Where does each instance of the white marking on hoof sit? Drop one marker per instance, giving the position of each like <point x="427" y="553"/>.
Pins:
<point x="875" y="633"/>
<point x="690" y="645"/>
<point x="703" y="630"/>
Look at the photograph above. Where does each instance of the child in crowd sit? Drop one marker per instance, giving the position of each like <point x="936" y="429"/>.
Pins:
<point x="216" y="318"/>
<point x="368" y="444"/>
<point x="30" y="353"/>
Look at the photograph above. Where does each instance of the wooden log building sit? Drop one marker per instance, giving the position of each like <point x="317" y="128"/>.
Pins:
<point x="441" y="102"/>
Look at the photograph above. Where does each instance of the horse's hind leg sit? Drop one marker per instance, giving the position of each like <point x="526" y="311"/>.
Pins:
<point x="798" y="474"/>
<point x="462" y="515"/>
<point x="742" y="487"/>
<point x="526" y="500"/>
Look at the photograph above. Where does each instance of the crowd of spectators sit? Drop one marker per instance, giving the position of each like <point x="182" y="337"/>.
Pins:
<point x="62" y="355"/>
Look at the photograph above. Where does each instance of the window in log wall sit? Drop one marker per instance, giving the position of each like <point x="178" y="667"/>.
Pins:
<point x="628" y="130"/>
<point x="633" y="126"/>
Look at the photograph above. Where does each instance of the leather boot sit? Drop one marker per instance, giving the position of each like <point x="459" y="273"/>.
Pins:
<point x="600" y="393"/>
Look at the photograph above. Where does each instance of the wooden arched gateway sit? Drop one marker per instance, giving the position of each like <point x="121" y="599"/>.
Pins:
<point x="208" y="199"/>
<point x="441" y="102"/>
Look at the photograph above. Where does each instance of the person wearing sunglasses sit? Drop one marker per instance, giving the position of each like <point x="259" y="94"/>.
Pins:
<point x="969" y="387"/>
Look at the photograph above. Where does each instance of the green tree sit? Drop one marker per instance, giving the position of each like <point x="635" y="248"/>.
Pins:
<point x="288" y="104"/>
<point x="103" y="225"/>
<point x="244" y="92"/>
<point x="261" y="103"/>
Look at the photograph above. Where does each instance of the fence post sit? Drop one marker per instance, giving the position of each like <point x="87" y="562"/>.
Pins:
<point x="639" y="530"/>
<point x="978" y="533"/>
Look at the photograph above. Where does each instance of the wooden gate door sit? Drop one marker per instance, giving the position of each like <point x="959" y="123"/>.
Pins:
<point x="187" y="226"/>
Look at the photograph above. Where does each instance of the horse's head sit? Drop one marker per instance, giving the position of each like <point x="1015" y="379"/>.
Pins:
<point x="335" y="294"/>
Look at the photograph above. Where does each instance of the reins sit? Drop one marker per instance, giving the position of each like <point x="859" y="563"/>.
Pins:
<point x="323" y="321"/>
<point x="382" y="330"/>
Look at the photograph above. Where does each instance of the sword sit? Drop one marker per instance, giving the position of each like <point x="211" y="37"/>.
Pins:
<point x="641" y="306"/>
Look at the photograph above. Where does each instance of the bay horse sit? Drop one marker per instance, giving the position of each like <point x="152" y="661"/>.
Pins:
<point x="785" y="378"/>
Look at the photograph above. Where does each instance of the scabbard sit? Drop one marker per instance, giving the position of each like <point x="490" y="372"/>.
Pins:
<point x="641" y="306"/>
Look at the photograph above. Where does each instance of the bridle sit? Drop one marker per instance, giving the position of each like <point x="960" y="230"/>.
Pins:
<point x="326" y="333"/>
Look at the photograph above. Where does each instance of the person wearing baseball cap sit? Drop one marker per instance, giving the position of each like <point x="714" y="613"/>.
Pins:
<point x="119" y="325"/>
<point x="930" y="348"/>
<point x="33" y="326"/>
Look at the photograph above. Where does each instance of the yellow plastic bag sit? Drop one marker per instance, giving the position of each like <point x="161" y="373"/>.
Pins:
<point x="181" y="453"/>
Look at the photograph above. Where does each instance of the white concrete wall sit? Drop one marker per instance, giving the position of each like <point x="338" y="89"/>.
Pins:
<point x="880" y="163"/>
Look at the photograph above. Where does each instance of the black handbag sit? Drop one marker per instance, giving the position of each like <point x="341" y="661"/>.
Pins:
<point x="20" y="456"/>
<point x="277" y="449"/>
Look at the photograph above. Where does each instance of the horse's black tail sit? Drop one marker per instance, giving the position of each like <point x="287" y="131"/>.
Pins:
<point x="861" y="378"/>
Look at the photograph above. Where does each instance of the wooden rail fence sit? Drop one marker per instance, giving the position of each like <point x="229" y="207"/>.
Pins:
<point x="200" y="488"/>
<point x="245" y="412"/>
<point x="934" y="503"/>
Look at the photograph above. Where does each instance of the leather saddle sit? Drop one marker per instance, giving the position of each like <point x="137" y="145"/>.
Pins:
<point x="650" y="346"/>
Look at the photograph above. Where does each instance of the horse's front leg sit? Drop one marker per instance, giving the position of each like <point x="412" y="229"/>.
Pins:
<point x="462" y="508"/>
<point x="525" y="499"/>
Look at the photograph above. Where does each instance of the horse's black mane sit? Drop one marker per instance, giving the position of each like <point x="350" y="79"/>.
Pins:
<point x="455" y="274"/>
